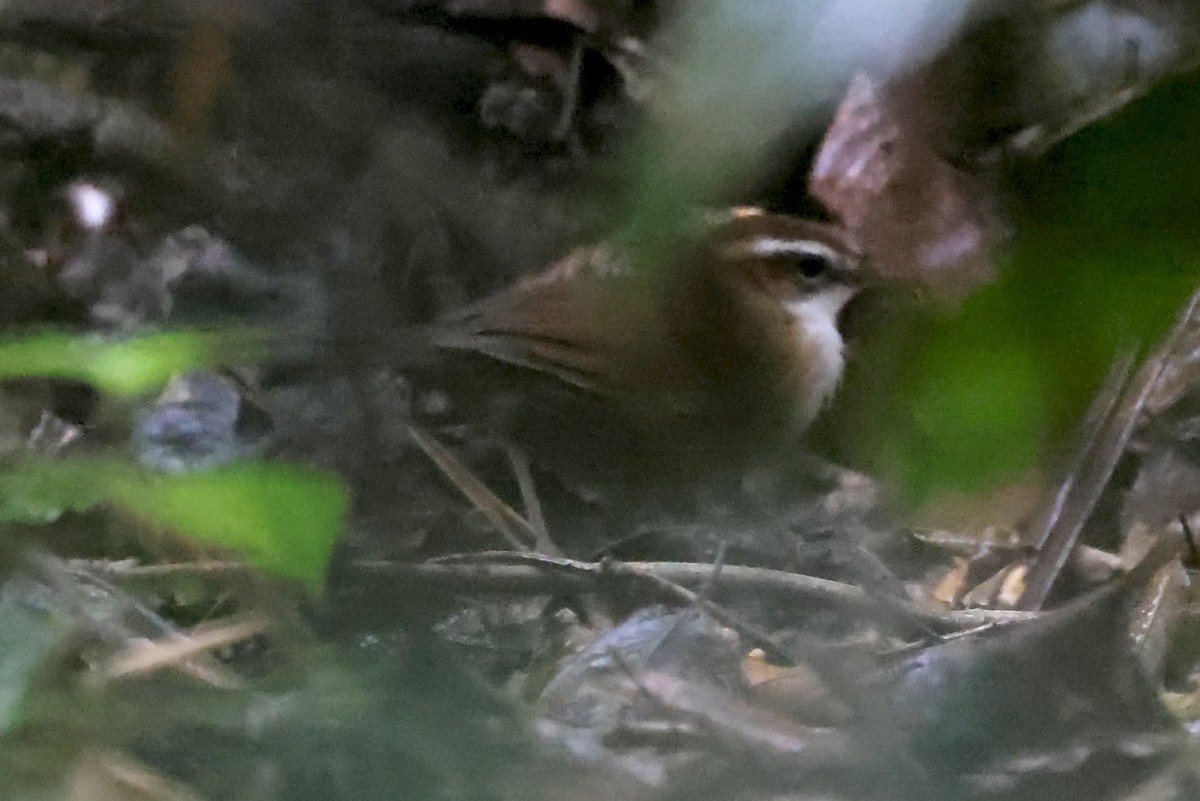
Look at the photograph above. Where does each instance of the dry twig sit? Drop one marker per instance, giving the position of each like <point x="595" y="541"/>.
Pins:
<point x="1058" y="527"/>
<point x="509" y="573"/>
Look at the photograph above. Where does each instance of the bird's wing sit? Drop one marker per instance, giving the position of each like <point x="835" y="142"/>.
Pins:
<point x="602" y="334"/>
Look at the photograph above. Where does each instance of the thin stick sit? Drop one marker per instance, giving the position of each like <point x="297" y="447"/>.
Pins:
<point x="145" y="656"/>
<point x="529" y="498"/>
<point x="497" y="512"/>
<point x="511" y="573"/>
<point x="1098" y="412"/>
<point x="1103" y="451"/>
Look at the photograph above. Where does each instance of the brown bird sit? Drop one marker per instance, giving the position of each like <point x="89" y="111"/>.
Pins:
<point x="713" y="362"/>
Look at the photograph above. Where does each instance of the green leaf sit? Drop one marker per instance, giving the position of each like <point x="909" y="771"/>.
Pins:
<point x="284" y="518"/>
<point x="1105" y="256"/>
<point x="128" y="366"/>
<point x="27" y="639"/>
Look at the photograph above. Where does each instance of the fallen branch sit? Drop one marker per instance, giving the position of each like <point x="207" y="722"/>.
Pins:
<point x="520" y="574"/>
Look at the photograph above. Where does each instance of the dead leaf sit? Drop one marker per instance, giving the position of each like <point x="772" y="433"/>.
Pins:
<point x="795" y="689"/>
<point x="915" y="216"/>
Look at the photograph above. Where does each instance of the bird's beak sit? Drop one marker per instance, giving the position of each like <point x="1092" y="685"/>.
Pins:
<point x="848" y="270"/>
<point x="857" y="272"/>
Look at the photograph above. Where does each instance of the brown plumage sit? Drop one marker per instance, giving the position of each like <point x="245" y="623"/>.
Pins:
<point x="708" y="362"/>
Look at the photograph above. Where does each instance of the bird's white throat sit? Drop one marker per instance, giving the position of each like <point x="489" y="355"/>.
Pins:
<point x="816" y="328"/>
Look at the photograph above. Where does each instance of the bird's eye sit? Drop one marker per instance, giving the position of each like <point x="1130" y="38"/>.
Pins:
<point x="811" y="265"/>
<point x="798" y="258"/>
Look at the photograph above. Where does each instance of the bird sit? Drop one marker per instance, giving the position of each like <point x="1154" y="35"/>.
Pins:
<point x="713" y="359"/>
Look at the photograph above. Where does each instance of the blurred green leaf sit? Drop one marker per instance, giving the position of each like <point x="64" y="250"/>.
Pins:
<point x="285" y="519"/>
<point x="979" y="412"/>
<point x="127" y="366"/>
<point x="1106" y="254"/>
<point x="27" y="639"/>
